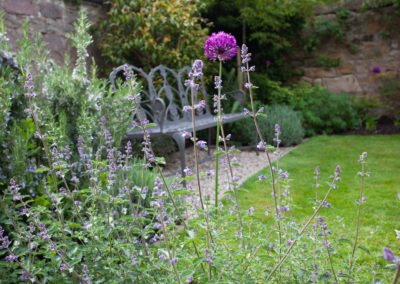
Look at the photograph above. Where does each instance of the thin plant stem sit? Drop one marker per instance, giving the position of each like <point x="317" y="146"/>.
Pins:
<point x="196" y="157"/>
<point x="302" y="230"/>
<point x="397" y="275"/>
<point x="267" y="156"/>
<point x="219" y="123"/>
<point x="329" y="256"/>
<point x="358" y="215"/>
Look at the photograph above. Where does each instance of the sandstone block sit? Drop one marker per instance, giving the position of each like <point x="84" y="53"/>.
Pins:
<point x="51" y="11"/>
<point x="318" y="72"/>
<point x="20" y="7"/>
<point x="55" y="44"/>
<point x="345" y="69"/>
<point x="346" y="83"/>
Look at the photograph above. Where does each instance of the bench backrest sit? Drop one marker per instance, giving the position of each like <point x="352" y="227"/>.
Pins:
<point x="163" y="94"/>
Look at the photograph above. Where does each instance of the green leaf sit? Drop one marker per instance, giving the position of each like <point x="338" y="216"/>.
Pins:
<point x="179" y="192"/>
<point x="41" y="170"/>
<point x="364" y="249"/>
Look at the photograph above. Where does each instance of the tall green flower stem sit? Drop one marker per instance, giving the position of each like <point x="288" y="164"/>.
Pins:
<point x="147" y="139"/>
<point x="219" y="122"/>
<point x="362" y="173"/>
<point x="329" y="256"/>
<point x="332" y="185"/>
<point x="317" y="171"/>
<point x="266" y="152"/>
<point x="231" y="180"/>
<point x="196" y="158"/>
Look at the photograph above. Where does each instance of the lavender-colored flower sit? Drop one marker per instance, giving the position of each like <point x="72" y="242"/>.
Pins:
<point x="202" y="144"/>
<point x="29" y="86"/>
<point x="188" y="171"/>
<point x="376" y="70"/>
<point x="221" y="46"/>
<point x="268" y="63"/>
<point x="189" y="279"/>
<point x="327" y="273"/>
<point x="261" y="178"/>
<point x="218" y="82"/>
<point x="210" y="173"/>
<point x="261" y="146"/>
<point x="63" y="267"/>
<point x="187" y="134"/>
<point x="24" y="276"/>
<point x="197" y="69"/>
<point x="388" y="254"/>
<point x="201" y="105"/>
<point x="157" y="226"/>
<point x="250" y="212"/>
<point x="277" y="130"/>
<point x="248" y="85"/>
<point x="173" y="261"/>
<point x="187" y="108"/>
<point x="246" y="56"/>
<point x="364" y="198"/>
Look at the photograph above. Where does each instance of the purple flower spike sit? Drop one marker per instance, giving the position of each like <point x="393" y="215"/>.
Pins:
<point x="388" y="254"/>
<point x="221" y="46"/>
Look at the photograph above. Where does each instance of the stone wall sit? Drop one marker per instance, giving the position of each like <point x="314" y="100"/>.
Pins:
<point x="53" y="19"/>
<point x="374" y="40"/>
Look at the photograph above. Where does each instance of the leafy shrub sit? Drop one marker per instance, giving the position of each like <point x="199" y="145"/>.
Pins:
<point x="71" y="104"/>
<point x="147" y="33"/>
<point x="323" y="112"/>
<point x="288" y="120"/>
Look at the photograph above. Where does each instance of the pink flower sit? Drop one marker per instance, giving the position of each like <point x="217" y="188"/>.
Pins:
<point x="221" y="46"/>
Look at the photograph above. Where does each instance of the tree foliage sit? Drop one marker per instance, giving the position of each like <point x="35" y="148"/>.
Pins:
<point x="147" y="33"/>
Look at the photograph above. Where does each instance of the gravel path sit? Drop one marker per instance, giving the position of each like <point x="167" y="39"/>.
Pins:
<point x="250" y="163"/>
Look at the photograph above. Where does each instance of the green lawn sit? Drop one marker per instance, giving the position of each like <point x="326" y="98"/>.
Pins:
<point x="380" y="213"/>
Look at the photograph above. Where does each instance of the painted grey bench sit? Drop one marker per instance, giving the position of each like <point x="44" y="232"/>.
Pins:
<point x="163" y="97"/>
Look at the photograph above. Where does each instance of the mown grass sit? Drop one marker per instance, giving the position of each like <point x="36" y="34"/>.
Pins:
<point x="380" y="213"/>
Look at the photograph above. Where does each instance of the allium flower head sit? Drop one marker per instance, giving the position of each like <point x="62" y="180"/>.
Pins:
<point x="221" y="46"/>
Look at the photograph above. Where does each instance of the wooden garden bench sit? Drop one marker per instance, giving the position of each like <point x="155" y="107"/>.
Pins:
<point x="163" y="96"/>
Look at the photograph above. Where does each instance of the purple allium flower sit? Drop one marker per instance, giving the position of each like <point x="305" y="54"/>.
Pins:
<point x="221" y="46"/>
<point x="388" y="254"/>
<point x="376" y="70"/>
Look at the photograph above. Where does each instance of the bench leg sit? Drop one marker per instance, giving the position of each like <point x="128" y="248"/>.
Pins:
<point x="180" y="140"/>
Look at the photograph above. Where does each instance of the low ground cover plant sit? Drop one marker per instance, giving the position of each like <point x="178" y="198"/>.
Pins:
<point x="100" y="230"/>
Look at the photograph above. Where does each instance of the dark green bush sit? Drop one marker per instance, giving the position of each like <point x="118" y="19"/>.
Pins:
<point x="323" y="112"/>
<point x="288" y="120"/>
